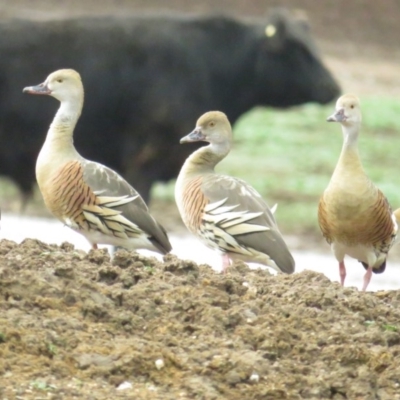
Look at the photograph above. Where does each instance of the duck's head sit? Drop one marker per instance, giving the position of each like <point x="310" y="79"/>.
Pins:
<point x="348" y="110"/>
<point x="64" y="85"/>
<point x="212" y="127"/>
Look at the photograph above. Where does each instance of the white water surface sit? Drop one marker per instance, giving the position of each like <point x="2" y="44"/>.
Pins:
<point x="18" y="228"/>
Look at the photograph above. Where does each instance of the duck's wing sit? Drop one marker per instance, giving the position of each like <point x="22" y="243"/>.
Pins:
<point x="237" y="218"/>
<point x="98" y="198"/>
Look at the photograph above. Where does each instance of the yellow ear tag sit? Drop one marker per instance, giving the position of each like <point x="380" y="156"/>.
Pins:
<point x="270" y="30"/>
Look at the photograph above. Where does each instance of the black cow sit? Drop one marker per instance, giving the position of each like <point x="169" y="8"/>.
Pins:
<point x="147" y="79"/>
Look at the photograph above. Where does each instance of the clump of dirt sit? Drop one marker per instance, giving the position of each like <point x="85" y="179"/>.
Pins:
<point x="76" y="325"/>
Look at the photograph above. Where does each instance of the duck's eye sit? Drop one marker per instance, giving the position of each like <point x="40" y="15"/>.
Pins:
<point x="212" y="123"/>
<point x="59" y="80"/>
<point x="352" y="106"/>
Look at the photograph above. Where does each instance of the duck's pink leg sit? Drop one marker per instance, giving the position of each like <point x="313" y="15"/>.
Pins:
<point x="226" y="262"/>
<point x="342" y="272"/>
<point x="94" y="246"/>
<point x="367" y="278"/>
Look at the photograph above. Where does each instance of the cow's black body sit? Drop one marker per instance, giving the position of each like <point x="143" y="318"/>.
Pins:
<point x="147" y="79"/>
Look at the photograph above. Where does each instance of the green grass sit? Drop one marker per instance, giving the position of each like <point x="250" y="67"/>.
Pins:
<point x="41" y="385"/>
<point x="385" y="327"/>
<point x="289" y="156"/>
<point x="8" y="190"/>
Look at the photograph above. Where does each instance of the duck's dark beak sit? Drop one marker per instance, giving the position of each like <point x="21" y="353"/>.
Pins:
<point x="39" y="89"/>
<point x="337" y="116"/>
<point x="195" y="136"/>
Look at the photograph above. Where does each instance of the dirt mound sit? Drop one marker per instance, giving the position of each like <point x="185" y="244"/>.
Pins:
<point x="79" y="325"/>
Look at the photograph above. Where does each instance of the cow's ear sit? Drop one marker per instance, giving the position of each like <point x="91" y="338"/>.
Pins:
<point x="304" y="24"/>
<point x="300" y="18"/>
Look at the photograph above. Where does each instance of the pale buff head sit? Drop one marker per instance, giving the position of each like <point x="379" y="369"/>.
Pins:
<point x="65" y="85"/>
<point x="347" y="111"/>
<point x="212" y="127"/>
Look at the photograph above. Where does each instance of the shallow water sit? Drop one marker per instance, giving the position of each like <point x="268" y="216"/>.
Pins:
<point x="17" y="228"/>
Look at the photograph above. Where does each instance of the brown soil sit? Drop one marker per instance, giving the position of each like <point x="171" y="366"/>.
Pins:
<point x="77" y="326"/>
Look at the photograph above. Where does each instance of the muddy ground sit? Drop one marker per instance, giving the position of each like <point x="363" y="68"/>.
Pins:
<point x="81" y="326"/>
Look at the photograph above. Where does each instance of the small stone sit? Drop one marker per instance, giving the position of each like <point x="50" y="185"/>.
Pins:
<point x="125" y="385"/>
<point x="234" y="377"/>
<point x="159" y="363"/>
<point x="254" y="377"/>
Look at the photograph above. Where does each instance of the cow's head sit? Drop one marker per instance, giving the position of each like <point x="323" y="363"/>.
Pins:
<point x="289" y="69"/>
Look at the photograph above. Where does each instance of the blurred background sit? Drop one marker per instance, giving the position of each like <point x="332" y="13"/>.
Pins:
<point x="288" y="155"/>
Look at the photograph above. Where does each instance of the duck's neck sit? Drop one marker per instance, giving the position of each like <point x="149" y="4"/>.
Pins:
<point x="60" y="134"/>
<point x="205" y="159"/>
<point x="58" y="147"/>
<point x="349" y="160"/>
<point x="59" y="139"/>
